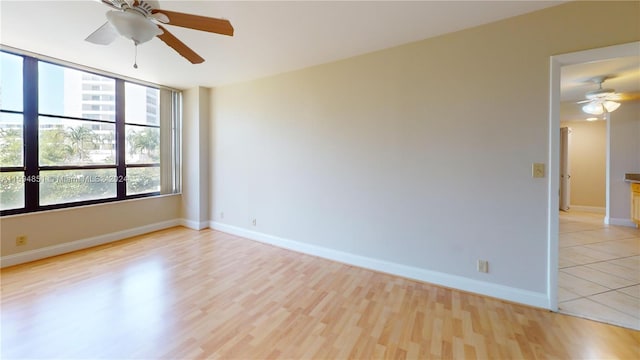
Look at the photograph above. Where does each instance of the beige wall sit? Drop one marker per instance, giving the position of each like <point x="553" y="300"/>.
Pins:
<point x="57" y="227"/>
<point x="418" y="155"/>
<point x="587" y="156"/>
<point x="195" y="159"/>
<point x="625" y="158"/>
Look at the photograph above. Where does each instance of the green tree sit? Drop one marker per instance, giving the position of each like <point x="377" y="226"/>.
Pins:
<point x="52" y="147"/>
<point x="146" y="142"/>
<point x="11" y="184"/>
<point x="106" y="141"/>
<point x="76" y="185"/>
<point x="11" y="190"/>
<point x="142" y="180"/>
<point x="81" y="140"/>
<point x="10" y="147"/>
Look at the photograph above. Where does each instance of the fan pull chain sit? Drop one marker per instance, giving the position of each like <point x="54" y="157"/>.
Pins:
<point x="135" y="56"/>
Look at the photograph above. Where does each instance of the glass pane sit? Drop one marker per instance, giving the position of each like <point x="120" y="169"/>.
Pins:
<point x="142" y="104"/>
<point x="143" y="180"/>
<point x="76" y="142"/>
<point x="11" y="190"/>
<point x="143" y="144"/>
<point x="62" y="186"/>
<point x="69" y="92"/>
<point x="10" y="82"/>
<point x="11" y="140"/>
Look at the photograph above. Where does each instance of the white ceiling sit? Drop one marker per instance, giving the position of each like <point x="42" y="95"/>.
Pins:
<point x="623" y="76"/>
<point x="270" y="37"/>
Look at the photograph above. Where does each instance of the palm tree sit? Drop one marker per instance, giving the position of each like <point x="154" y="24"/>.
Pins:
<point x="146" y="142"/>
<point x="82" y="139"/>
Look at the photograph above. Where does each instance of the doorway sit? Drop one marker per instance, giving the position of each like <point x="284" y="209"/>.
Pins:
<point x="583" y="163"/>
<point x="585" y="223"/>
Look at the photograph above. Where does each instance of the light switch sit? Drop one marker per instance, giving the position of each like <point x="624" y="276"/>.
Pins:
<point x="538" y="170"/>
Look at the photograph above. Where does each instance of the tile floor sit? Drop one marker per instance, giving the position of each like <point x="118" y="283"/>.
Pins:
<point x="599" y="276"/>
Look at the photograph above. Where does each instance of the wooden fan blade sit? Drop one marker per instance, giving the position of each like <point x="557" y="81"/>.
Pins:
<point x="179" y="46"/>
<point x="630" y="96"/>
<point x="197" y="22"/>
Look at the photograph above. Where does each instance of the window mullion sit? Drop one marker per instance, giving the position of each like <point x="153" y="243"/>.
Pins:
<point x="120" y="140"/>
<point x="30" y="101"/>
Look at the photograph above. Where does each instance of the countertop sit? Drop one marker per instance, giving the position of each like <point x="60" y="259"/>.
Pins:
<point x="632" y="178"/>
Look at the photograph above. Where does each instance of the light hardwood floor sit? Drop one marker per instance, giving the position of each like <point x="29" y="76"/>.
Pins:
<point x="599" y="275"/>
<point x="180" y="293"/>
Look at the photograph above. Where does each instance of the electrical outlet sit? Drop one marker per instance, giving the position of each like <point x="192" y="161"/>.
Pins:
<point x="483" y="266"/>
<point x="253" y="222"/>
<point x="537" y="170"/>
<point x="21" y="240"/>
<point x="221" y="214"/>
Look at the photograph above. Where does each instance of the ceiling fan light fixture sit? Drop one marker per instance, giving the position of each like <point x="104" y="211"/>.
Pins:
<point x="600" y="107"/>
<point x="593" y="108"/>
<point x="600" y="101"/>
<point x="611" y="106"/>
<point x="133" y="26"/>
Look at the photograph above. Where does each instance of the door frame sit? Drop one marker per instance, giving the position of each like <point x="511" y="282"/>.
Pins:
<point x="565" y="181"/>
<point x="553" y="228"/>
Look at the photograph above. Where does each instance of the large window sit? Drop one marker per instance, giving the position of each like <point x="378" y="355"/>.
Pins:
<point x="70" y="137"/>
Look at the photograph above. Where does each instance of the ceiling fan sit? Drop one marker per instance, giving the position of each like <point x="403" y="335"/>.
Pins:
<point x="601" y="100"/>
<point x="138" y="21"/>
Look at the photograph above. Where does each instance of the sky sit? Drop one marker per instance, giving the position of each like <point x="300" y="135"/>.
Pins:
<point x="51" y="85"/>
<point x="10" y="82"/>
<point x="51" y="92"/>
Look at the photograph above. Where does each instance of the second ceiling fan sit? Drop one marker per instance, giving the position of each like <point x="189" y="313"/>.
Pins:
<point x="140" y="22"/>
<point x="601" y="100"/>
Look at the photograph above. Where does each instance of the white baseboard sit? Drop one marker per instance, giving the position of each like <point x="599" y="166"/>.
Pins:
<point x="620" y="222"/>
<point x="453" y="281"/>
<point x="589" y="209"/>
<point x="54" y="250"/>
<point x="193" y="224"/>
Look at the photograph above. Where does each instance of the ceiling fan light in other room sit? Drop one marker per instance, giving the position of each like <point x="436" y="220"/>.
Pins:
<point x="611" y="106"/>
<point x="599" y="108"/>
<point x="133" y="26"/>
